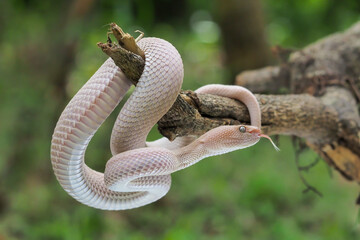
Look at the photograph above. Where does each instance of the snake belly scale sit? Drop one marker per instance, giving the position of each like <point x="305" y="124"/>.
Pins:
<point x="139" y="172"/>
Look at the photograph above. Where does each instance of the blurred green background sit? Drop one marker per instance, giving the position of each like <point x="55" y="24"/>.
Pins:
<point x="48" y="51"/>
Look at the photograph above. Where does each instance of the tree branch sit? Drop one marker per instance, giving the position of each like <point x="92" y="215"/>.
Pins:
<point x="322" y="107"/>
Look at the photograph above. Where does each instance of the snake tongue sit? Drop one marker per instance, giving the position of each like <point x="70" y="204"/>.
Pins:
<point x="266" y="136"/>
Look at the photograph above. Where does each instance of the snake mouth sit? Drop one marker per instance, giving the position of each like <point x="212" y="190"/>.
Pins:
<point x="255" y="130"/>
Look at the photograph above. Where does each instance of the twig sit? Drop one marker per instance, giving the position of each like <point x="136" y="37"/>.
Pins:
<point x="299" y="148"/>
<point x="309" y="166"/>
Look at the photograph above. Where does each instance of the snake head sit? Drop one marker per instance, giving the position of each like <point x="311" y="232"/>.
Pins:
<point x="226" y="139"/>
<point x="246" y="135"/>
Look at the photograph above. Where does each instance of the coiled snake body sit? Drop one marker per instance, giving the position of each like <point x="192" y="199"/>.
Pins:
<point x="139" y="172"/>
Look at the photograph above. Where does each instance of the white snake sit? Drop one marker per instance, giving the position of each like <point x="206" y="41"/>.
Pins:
<point x="139" y="172"/>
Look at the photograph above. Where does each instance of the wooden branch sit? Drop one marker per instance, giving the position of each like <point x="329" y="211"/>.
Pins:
<point x="328" y="69"/>
<point x="131" y="64"/>
<point x="333" y="60"/>
<point x="322" y="109"/>
<point x="262" y="80"/>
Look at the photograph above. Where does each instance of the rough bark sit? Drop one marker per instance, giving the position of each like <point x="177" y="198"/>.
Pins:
<point x="329" y="71"/>
<point x="323" y="85"/>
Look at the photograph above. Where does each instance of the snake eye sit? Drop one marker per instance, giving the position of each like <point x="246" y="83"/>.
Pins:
<point x="242" y="129"/>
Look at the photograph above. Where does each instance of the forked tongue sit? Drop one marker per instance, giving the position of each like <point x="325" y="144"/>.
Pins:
<point x="266" y="136"/>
